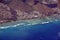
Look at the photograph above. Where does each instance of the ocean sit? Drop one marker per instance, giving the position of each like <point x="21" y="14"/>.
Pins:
<point x="47" y="31"/>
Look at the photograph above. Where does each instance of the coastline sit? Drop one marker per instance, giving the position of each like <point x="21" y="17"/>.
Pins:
<point x="27" y="23"/>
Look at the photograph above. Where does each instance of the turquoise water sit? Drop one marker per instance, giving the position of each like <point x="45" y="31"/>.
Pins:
<point x="47" y="31"/>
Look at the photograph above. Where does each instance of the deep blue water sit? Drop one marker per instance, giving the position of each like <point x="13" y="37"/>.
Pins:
<point x="36" y="32"/>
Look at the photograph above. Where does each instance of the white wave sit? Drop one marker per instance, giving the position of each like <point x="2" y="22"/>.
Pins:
<point x="19" y="25"/>
<point x="15" y="25"/>
<point x="25" y="24"/>
<point x="11" y="26"/>
<point x="45" y="22"/>
<point x="4" y="27"/>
